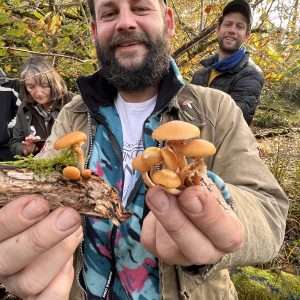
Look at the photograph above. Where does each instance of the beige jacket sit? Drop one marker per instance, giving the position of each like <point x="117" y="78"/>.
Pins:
<point x="257" y="199"/>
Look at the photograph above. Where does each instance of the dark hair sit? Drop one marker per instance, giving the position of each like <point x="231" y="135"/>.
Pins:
<point x="42" y="71"/>
<point x="91" y="5"/>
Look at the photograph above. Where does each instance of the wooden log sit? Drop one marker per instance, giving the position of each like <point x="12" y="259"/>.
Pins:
<point x="91" y="196"/>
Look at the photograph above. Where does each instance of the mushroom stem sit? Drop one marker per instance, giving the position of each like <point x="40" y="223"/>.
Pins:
<point x="80" y="156"/>
<point x="172" y="191"/>
<point x="147" y="180"/>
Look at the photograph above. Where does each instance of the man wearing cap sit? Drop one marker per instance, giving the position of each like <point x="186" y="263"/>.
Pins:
<point x="231" y="70"/>
<point x="172" y="247"/>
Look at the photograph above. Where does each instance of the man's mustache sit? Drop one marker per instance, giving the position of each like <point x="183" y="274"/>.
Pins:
<point x="129" y="37"/>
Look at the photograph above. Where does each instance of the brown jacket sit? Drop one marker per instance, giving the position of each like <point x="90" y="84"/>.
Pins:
<point x="258" y="200"/>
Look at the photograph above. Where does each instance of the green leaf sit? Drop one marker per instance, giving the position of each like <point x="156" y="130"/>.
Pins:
<point x="4" y="19"/>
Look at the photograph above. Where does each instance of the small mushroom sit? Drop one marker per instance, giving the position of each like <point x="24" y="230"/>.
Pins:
<point x="139" y="163"/>
<point x="73" y="140"/>
<point x="166" y="178"/>
<point x="180" y="163"/>
<point x="86" y="173"/>
<point x="176" y="130"/>
<point x="147" y="180"/>
<point x="169" y="158"/>
<point x="197" y="148"/>
<point x="71" y="173"/>
<point x="152" y="156"/>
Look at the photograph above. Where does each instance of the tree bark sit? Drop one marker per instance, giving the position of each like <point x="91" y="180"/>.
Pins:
<point x="91" y="197"/>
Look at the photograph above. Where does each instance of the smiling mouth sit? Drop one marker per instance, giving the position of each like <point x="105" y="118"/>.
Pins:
<point x="128" y="44"/>
<point x="229" y="39"/>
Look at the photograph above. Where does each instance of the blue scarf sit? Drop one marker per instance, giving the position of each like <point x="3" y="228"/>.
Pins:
<point x="230" y="62"/>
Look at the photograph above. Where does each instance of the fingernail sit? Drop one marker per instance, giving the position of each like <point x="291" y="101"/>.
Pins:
<point x="159" y="201"/>
<point x="67" y="219"/>
<point x="193" y="205"/>
<point x="34" y="209"/>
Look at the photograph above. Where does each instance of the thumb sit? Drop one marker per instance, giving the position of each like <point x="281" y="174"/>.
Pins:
<point x="205" y="207"/>
<point x="60" y="287"/>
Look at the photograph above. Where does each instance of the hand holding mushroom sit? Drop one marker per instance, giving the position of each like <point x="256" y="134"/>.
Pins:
<point x="188" y="223"/>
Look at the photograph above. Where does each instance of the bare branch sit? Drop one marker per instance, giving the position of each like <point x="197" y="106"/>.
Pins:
<point x="184" y="26"/>
<point x="200" y="37"/>
<point x="46" y="54"/>
<point x="201" y="15"/>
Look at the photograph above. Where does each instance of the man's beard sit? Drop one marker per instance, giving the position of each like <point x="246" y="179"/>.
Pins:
<point x="148" y="73"/>
<point x="229" y="50"/>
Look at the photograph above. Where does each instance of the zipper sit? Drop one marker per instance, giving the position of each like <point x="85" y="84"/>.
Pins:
<point x="113" y="268"/>
<point x="91" y="138"/>
<point x="118" y="153"/>
<point x="80" y="266"/>
<point x="107" y="285"/>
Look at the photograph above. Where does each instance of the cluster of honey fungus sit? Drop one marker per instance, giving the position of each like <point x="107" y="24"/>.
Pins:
<point x="180" y="162"/>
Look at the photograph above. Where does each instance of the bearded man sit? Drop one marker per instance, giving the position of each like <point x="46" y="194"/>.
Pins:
<point x="172" y="247"/>
<point x="231" y="70"/>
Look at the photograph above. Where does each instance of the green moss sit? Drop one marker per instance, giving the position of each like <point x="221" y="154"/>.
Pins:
<point x="253" y="283"/>
<point x="43" y="166"/>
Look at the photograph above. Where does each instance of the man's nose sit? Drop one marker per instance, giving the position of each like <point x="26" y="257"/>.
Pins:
<point x="233" y="29"/>
<point x="126" y="21"/>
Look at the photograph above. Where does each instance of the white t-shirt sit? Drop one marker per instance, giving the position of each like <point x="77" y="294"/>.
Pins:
<point x="133" y="116"/>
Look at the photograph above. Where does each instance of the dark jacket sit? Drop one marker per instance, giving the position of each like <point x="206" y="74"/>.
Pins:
<point x="243" y="83"/>
<point x="28" y="116"/>
<point x="9" y="101"/>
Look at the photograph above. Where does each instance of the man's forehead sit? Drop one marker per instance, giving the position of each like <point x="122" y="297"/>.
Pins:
<point x="112" y="2"/>
<point x="235" y="16"/>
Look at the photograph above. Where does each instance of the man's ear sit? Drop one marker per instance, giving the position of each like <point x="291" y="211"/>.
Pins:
<point x="248" y="33"/>
<point x="218" y="28"/>
<point x="94" y="31"/>
<point x="170" y="22"/>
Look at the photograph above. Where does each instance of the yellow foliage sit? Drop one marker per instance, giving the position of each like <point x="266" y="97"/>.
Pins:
<point x="54" y="24"/>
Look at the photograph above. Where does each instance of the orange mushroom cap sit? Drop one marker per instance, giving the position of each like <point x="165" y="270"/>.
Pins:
<point x="175" y="130"/>
<point x="70" y="139"/>
<point x="71" y="173"/>
<point x="152" y="156"/>
<point x="140" y="164"/>
<point x="197" y="148"/>
<point x="166" y="178"/>
<point x="86" y="173"/>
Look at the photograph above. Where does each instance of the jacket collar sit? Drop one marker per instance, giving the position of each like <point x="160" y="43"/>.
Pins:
<point x="57" y="105"/>
<point x="97" y="91"/>
<point x="212" y="59"/>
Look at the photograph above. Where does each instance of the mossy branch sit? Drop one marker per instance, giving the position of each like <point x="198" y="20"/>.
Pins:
<point x="43" y="166"/>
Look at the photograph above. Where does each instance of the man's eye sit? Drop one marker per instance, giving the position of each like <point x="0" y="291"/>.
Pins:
<point x="241" y="27"/>
<point x="107" y="16"/>
<point x="140" y="9"/>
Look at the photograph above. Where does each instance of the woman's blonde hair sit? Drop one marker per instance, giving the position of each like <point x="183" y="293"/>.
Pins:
<point x="44" y="74"/>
